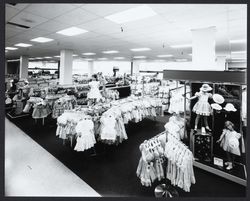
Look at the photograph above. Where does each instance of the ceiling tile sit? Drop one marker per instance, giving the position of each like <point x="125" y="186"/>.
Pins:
<point x="75" y="17"/>
<point x="49" y="10"/>
<point x="19" y="6"/>
<point x="52" y="26"/>
<point x="10" y="12"/>
<point x="28" y="19"/>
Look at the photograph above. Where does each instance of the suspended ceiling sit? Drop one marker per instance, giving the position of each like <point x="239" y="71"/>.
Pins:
<point x="171" y="26"/>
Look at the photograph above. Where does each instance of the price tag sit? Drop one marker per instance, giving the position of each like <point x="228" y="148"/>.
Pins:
<point x="218" y="161"/>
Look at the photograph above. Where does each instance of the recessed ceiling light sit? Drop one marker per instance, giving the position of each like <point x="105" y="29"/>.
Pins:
<point x="89" y="59"/>
<point x="11" y="60"/>
<point x="238" y="41"/>
<point x="180" y="60"/>
<point x="140" y="49"/>
<point x="181" y="46"/>
<point x="103" y="58"/>
<point x="75" y="55"/>
<point x="41" y="40"/>
<point x="110" y="52"/>
<point x="23" y="45"/>
<point x="132" y="14"/>
<point x="57" y="56"/>
<point x="47" y="57"/>
<point x="38" y="58"/>
<point x="31" y="58"/>
<point x="164" y="55"/>
<point x="160" y="60"/>
<point x="238" y="52"/>
<point x="119" y="58"/>
<point x="139" y="57"/>
<point x="89" y="53"/>
<point x="11" y="48"/>
<point x="72" y="31"/>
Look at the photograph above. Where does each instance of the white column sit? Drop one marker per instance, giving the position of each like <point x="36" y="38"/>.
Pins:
<point x="221" y="62"/>
<point x="90" y="68"/>
<point x="136" y="67"/>
<point x="24" y="63"/>
<point x="66" y="64"/>
<point x="203" y="49"/>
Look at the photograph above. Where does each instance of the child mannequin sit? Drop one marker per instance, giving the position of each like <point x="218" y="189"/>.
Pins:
<point x="202" y="108"/>
<point x="230" y="143"/>
<point x="94" y="94"/>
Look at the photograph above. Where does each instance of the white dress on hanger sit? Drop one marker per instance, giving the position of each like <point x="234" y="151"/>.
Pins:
<point x="94" y="92"/>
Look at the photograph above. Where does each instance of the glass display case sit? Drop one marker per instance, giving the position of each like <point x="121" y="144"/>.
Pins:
<point x="216" y="121"/>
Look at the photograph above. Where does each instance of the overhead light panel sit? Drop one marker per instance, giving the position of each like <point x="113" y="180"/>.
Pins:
<point x="238" y="41"/>
<point x="47" y="57"/>
<point x="23" y="45"/>
<point x="118" y="58"/>
<point x="238" y="52"/>
<point x="181" y="46"/>
<point x="57" y="56"/>
<point x="89" y="59"/>
<point x="103" y="58"/>
<point x="11" y="48"/>
<point x="75" y="55"/>
<point x="181" y="60"/>
<point x="140" y="49"/>
<point x="72" y="31"/>
<point x="110" y="52"/>
<point x="164" y="55"/>
<point x="132" y="14"/>
<point x="139" y="57"/>
<point x="41" y="40"/>
<point x="88" y="53"/>
<point x="38" y="58"/>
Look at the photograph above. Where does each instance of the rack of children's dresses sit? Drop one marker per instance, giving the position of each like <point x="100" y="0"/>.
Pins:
<point x="109" y="123"/>
<point x="165" y="151"/>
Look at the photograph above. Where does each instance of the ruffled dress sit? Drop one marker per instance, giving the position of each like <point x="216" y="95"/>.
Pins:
<point x="202" y="107"/>
<point x="230" y="142"/>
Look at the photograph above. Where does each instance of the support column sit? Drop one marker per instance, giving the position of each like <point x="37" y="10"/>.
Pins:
<point x="136" y="67"/>
<point x="90" y="68"/>
<point x="66" y="63"/>
<point x="24" y="63"/>
<point x="221" y="62"/>
<point x="203" y="49"/>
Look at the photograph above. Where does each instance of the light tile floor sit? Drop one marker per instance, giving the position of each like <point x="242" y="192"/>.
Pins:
<point x="32" y="171"/>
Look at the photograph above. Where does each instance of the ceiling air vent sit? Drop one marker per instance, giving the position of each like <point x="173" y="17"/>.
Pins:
<point x="18" y="25"/>
<point x="13" y="4"/>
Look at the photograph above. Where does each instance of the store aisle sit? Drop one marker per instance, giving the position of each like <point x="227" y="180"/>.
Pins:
<point x="32" y="171"/>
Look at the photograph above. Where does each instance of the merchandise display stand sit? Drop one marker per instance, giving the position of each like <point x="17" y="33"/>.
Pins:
<point x="215" y="79"/>
<point x="165" y="190"/>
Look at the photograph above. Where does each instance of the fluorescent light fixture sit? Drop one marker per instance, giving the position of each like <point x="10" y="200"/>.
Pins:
<point x="41" y="40"/>
<point x="11" y="48"/>
<point x="47" y="57"/>
<point x="23" y="45"/>
<point x="140" y="49"/>
<point x="181" y="46"/>
<point x="103" y="58"/>
<point x="57" y="56"/>
<point x="238" y="41"/>
<point x="238" y="52"/>
<point x="110" y="52"/>
<point x="139" y="57"/>
<point x="88" y="53"/>
<point x="75" y="55"/>
<point x="119" y="58"/>
<point x="38" y="58"/>
<point x="159" y="60"/>
<point x="164" y="55"/>
<point x="89" y="59"/>
<point x="190" y="54"/>
<point x="72" y="31"/>
<point x="11" y="60"/>
<point x="132" y="14"/>
<point x="180" y="60"/>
